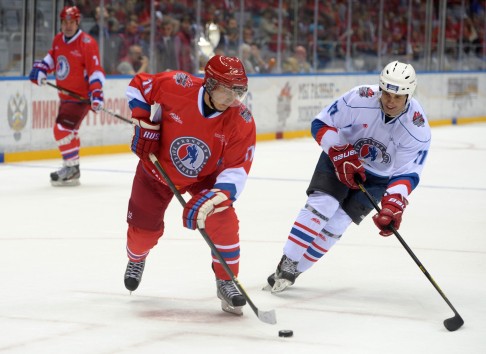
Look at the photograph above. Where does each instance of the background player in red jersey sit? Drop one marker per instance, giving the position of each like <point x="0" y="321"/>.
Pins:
<point x="75" y="58"/>
<point x="204" y="138"/>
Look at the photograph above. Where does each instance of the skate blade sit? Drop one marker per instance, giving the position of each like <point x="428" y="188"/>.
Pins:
<point x="69" y="183"/>
<point x="267" y="287"/>
<point x="280" y="285"/>
<point x="234" y="310"/>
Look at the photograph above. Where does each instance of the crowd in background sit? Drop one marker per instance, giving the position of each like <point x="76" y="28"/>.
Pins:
<point x="293" y="38"/>
<point x="252" y="34"/>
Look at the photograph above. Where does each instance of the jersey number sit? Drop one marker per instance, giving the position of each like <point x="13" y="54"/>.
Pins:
<point x="422" y="154"/>
<point x="333" y="109"/>
<point x="250" y="153"/>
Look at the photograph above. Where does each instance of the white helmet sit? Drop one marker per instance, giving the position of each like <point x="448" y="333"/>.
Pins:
<point x="399" y="78"/>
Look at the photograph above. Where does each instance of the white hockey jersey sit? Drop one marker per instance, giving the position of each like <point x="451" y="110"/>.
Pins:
<point x="397" y="149"/>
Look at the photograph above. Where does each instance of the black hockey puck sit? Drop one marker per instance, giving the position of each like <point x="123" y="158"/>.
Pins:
<point x="285" y="333"/>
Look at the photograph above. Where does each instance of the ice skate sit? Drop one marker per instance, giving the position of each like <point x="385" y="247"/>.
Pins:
<point x="231" y="299"/>
<point x="66" y="176"/>
<point x="133" y="274"/>
<point x="284" y="276"/>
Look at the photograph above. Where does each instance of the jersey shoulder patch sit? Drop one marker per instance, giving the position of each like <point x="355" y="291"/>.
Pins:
<point x="245" y="114"/>
<point x="183" y="79"/>
<point x="362" y="96"/>
<point x="416" y="123"/>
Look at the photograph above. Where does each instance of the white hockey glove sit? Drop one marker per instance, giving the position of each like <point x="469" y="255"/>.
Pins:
<point x="202" y="205"/>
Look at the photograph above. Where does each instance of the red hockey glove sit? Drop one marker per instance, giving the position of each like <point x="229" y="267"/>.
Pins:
<point x="392" y="206"/>
<point x="38" y="74"/>
<point x="347" y="165"/>
<point x="146" y="138"/>
<point x="96" y="98"/>
<point x="202" y="205"/>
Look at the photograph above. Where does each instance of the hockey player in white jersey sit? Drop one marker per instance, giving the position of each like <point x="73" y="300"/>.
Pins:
<point x="377" y="134"/>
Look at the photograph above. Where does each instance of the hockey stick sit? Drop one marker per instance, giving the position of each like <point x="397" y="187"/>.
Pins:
<point x="265" y="316"/>
<point x="83" y="99"/>
<point x="453" y="323"/>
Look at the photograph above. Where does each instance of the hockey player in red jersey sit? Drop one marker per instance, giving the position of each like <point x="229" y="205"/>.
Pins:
<point x="204" y="138"/>
<point x="75" y="59"/>
<point x="377" y="134"/>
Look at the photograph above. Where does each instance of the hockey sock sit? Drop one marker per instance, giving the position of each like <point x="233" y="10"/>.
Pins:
<point x="318" y="248"/>
<point x="329" y="235"/>
<point x="309" y="223"/>
<point x="140" y="242"/>
<point x="68" y="142"/>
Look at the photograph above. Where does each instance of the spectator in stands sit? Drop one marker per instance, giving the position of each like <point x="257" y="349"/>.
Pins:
<point x="95" y="30"/>
<point x="268" y="28"/>
<point x="166" y="52"/>
<point x="184" y="40"/>
<point x="134" y="63"/>
<point x="248" y="35"/>
<point x="470" y="36"/>
<point x="131" y="35"/>
<point x="230" y="40"/>
<point x="112" y="47"/>
<point x="245" y="57"/>
<point x="259" y="63"/>
<point x="297" y="63"/>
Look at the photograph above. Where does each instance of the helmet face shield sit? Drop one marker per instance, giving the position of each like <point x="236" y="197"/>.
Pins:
<point x="224" y="95"/>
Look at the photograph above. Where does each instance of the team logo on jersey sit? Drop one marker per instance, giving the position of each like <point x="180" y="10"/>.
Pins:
<point x="183" y="79"/>
<point x="189" y="155"/>
<point x="17" y="114"/>
<point x="369" y="148"/>
<point x="365" y="92"/>
<point x="418" y="119"/>
<point x="62" y="67"/>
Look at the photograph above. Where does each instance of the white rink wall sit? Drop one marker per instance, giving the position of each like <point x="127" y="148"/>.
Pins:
<point x="281" y="105"/>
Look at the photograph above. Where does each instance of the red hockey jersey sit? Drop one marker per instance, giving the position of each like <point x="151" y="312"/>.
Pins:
<point x="76" y="64"/>
<point x="193" y="146"/>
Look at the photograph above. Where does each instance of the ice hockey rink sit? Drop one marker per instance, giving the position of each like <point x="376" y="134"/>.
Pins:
<point x="63" y="259"/>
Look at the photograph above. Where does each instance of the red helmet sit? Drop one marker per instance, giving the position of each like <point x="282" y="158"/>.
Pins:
<point x="228" y="71"/>
<point x="70" y="13"/>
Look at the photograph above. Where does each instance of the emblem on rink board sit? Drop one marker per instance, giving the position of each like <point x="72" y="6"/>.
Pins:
<point x="189" y="155"/>
<point x="17" y="114"/>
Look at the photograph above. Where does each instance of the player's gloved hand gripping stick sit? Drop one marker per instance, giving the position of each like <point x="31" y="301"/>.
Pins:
<point x="264" y="316"/>
<point x="96" y="99"/>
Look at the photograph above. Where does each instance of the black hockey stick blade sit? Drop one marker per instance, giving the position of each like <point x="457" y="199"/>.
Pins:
<point x="454" y="323"/>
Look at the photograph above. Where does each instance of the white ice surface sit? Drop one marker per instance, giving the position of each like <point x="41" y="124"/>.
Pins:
<point x="63" y="258"/>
